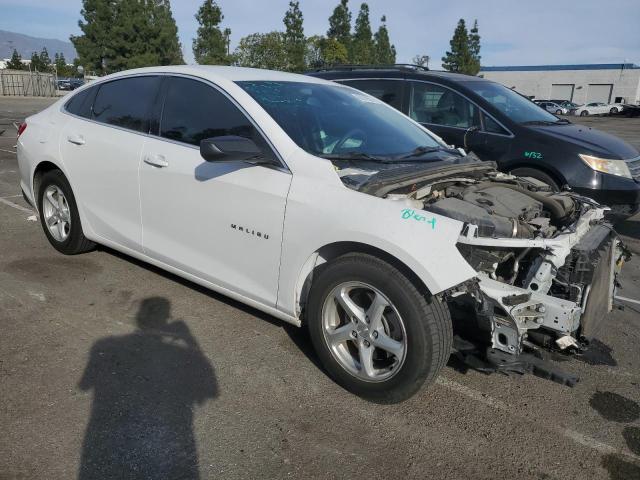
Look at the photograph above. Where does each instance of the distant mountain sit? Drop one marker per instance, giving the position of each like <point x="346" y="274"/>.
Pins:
<point x="26" y="45"/>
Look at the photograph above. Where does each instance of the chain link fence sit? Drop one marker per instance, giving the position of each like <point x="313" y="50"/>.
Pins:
<point x="27" y="84"/>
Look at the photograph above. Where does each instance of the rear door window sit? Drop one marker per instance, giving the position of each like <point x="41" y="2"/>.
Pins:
<point x="126" y="102"/>
<point x="437" y="105"/>
<point x="389" y="91"/>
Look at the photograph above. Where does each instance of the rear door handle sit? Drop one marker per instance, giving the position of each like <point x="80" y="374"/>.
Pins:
<point x="76" y="139"/>
<point x="156" y="160"/>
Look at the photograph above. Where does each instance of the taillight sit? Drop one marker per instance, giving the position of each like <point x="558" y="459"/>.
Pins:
<point x="22" y="128"/>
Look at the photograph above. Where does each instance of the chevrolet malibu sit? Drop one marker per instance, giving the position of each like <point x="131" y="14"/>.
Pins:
<point x="327" y="208"/>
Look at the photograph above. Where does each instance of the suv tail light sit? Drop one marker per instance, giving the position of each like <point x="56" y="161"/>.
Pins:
<point x="22" y="128"/>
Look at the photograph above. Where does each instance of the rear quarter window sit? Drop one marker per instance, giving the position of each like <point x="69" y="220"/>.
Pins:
<point x="80" y="104"/>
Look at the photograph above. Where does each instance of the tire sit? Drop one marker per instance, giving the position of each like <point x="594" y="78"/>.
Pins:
<point x="71" y="239"/>
<point x="613" y="111"/>
<point x="584" y="113"/>
<point x="420" y="321"/>
<point x="558" y="112"/>
<point x="538" y="175"/>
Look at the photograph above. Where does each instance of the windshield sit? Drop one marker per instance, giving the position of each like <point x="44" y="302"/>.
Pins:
<point x="516" y="107"/>
<point x="333" y="120"/>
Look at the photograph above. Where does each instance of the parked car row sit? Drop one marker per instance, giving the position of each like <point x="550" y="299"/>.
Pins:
<point x="565" y="107"/>
<point x="325" y="207"/>
<point x="69" y="83"/>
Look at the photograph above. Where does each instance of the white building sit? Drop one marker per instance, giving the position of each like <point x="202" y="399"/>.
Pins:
<point x="603" y="82"/>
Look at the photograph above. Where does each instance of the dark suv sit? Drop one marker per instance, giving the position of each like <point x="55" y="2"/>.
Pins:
<point x="499" y="124"/>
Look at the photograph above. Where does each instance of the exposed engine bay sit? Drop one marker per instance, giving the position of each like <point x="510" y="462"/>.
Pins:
<point x="547" y="262"/>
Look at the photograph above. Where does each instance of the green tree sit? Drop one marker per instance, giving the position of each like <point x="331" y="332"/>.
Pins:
<point x="77" y="70"/>
<point x="340" y="25"/>
<point x="45" y="60"/>
<point x="210" y="46"/>
<point x="459" y="58"/>
<point x="385" y="53"/>
<point x="322" y="52"/>
<point x="62" y="69"/>
<point x="474" y="49"/>
<point x="294" y="39"/>
<point x="122" y="34"/>
<point x="165" y="33"/>
<point x="95" y="46"/>
<point x="362" y="45"/>
<point x="37" y="64"/>
<point x="16" y="61"/>
<point x="262" y="50"/>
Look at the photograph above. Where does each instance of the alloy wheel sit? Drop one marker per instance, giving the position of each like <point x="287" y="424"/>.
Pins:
<point x="364" y="331"/>
<point x="55" y="210"/>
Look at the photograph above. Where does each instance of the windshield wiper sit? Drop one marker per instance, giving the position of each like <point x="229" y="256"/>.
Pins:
<point x="353" y="156"/>
<point x="560" y="121"/>
<point x="423" y="150"/>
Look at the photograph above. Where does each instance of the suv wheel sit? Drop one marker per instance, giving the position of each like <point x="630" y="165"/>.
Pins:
<point x="376" y="333"/>
<point x="59" y="215"/>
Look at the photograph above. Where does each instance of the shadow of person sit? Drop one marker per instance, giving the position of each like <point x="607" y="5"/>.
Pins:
<point x="145" y="385"/>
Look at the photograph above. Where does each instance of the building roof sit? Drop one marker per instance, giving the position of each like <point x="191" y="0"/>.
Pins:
<point x="544" y="68"/>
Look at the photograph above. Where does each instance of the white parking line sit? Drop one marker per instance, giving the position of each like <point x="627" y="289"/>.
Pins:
<point x="576" y="437"/>
<point x="15" y="205"/>
<point x="625" y="299"/>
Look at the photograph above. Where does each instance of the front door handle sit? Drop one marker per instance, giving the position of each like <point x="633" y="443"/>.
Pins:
<point x="76" y="139"/>
<point x="156" y="160"/>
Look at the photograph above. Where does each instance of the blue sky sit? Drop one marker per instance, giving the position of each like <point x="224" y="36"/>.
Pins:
<point x="514" y="32"/>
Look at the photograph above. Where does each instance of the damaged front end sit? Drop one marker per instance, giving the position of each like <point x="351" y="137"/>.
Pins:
<point x="547" y="263"/>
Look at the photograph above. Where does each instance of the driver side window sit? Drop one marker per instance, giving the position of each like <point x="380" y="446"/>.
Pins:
<point x="194" y="111"/>
<point x="438" y="105"/>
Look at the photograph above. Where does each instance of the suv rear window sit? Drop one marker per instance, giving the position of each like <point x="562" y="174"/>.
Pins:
<point x="126" y="102"/>
<point x="389" y="91"/>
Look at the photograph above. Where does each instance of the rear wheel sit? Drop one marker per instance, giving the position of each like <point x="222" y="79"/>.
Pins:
<point x="377" y="333"/>
<point x="558" y="112"/>
<point x="538" y="175"/>
<point x="613" y="111"/>
<point x="59" y="215"/>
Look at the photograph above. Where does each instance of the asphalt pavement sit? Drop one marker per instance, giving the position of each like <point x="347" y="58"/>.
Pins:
<point x="99" y="352"/>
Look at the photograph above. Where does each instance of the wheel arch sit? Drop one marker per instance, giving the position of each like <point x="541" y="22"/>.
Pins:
<point x="334" y="250"/>
<point x="42" y="168"/>
<point x="555" y="175"/>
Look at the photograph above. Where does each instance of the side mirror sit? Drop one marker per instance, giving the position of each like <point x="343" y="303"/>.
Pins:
<point x="229" y="148"/>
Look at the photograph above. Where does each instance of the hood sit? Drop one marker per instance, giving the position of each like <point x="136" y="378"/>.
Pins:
<point x="590" y="139"/>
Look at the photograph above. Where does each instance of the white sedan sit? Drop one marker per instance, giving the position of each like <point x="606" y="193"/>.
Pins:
<point x="553" y="107"/>
<point x="593" y="108"/>
<point x="328" y="209"/>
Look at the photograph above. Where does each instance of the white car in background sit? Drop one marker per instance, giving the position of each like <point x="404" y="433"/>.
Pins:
<point x="552" y="107"/>
<point x="593" y="108"/>
<point x="616" y="108"/>
<point x="328" y="209"/>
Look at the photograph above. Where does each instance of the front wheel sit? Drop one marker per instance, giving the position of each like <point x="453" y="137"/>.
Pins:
<point x="613" y="111"/>
<point x="376" y="333"/>
<point x="584" y="113"/>
<point x="59" y="215"/>
<point x="558" y="112"/>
